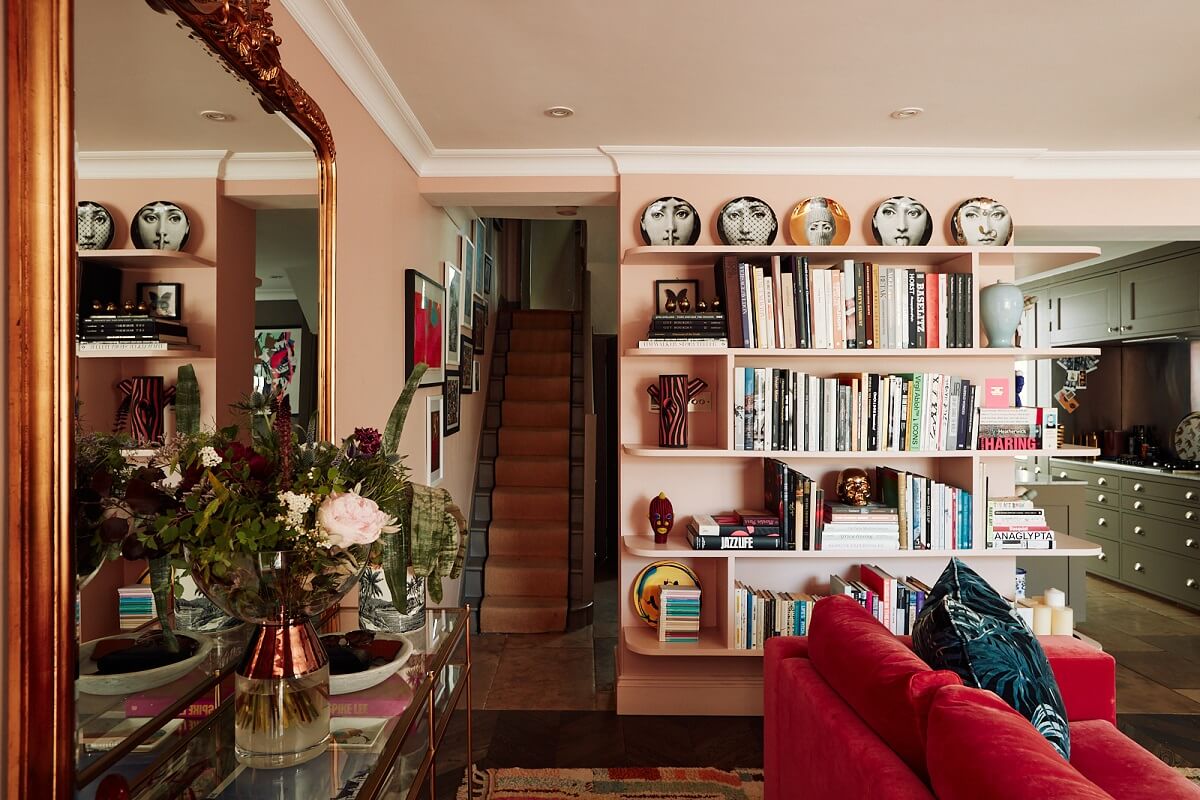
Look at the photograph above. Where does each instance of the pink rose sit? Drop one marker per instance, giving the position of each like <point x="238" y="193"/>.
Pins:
<point x="350" y="518"/>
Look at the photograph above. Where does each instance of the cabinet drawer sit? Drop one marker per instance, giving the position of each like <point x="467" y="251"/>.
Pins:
<point x="1095" y="478"/>
<point x="1176" y="512"/>
<point x="1161" y="573"/>
<point x="1108" y="563"/>
<point x="1102" y="497"/>
<point x="1178" y="538"/>
<point x="1182" y="492"/>
<point x="1103" y="522"/>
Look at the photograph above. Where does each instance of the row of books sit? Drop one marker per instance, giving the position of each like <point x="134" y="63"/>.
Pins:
<point x="1014" y="523"/>
<point x="784" y="303"/>
<point x="778" y="409"/>
<point x="130" y="328"/>
<point x="761" y="614"/>
<point x="135" y="606"/>
<point x="1026" y="428"/>
<point x="698" y="329"/>
<point x="679" y="614"/>
<point x="893" y="601"/>
<point x="930" y="515"/>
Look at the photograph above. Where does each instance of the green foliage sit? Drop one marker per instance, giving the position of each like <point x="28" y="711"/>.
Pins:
<point x="395" y="423"/>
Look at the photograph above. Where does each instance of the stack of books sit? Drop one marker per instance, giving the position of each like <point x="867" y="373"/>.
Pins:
<point x="701" y="329"/>
<point x="1013" y="523"/>
<point x="893" y="601"/>
<point x="735" y="530"/>
<point x="932" y="515"/>
<point x="101" y="332"/>
<point x="135" y="605"/>
<point x="784" y="303"/>
<point x="761" y="614"/>
<point x="870" y="527"/>
<point x="787" y="410"/>
<point x="1027" y="428"/>
<point x="679" y="614"/>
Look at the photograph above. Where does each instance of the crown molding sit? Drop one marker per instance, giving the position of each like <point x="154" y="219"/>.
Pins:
<point x="1113" y="165"/>
<point x="117" y="164"/>
<point x="575" y="162"/>
<point x="331" y="27"/>
<point x="269" y="167"/>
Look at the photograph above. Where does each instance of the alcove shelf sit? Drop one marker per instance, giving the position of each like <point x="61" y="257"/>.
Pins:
<point x="130" y="258"/>
<point x="1014" y="353"/>
<point x="677" y="547"/>
<point x="653" y="451"/>
<point x="184" y="351"/>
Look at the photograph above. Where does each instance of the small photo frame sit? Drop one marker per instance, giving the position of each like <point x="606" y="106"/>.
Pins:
<point x="466" y="259"/>
<point x="479" y="332"/>
<point x="165" y="300"/>
<point x="488" y="271"/>
<point x="452" y="397"/>
<point x="475" y="377"/>
<point x="433" y="440"/>
<point x="676" y="296"/>
<point x="467" y="348"/>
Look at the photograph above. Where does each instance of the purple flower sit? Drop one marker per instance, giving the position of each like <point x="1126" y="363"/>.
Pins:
<point x="368" y="440"/>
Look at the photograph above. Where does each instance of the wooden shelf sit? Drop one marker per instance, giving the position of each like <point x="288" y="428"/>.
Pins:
<point x="644" y="640"/>
<point x="173" y="351"/>
<point x="1028" y="354"/>
<point x="145" y="259"/>
<point x="1029" y="259"/>
<point x="651" y="451"/>
<point x="644" y="546"/>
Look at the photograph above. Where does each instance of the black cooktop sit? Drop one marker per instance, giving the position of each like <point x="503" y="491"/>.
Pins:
<point x="1161" y="463"/>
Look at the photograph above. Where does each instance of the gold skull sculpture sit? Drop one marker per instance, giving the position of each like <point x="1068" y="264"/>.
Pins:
<point x="853" y="487"/>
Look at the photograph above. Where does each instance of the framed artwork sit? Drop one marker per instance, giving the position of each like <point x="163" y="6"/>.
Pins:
<point x="675" y="296"/>
<point x="453" y="314"/>
<point x="466" y="257"/>
<point x="479" y="335"/>
<point x="164" y="300"/>
<point x="488" y="269"/>
<point x="467" y="348"/>
<point x="475" y="377"/>
<point x="425" y="315"/>
<point x="277" y="363"/>
<point x="479" y="231"/>
<point x="452" y="396"/>
<point x="433" y="440"/>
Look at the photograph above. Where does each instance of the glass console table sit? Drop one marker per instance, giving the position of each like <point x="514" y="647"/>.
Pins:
<point x="386" y="739"/>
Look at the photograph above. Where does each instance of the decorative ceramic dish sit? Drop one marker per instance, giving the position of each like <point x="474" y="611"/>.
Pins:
<point x="357" y="733"/>
<point x="647" y="586"/>
<point x="92" y="682"/>
<point x="348" y="682"/>
<point x="1187" y="437"/>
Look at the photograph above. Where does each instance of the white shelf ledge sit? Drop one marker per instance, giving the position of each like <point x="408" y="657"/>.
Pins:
<point x="651" y="451"/>
<point x="145" y="259"/>
<point x="677" y="547"/>
<point x="1008" y="353"/>
<point x="1029" y="259"/>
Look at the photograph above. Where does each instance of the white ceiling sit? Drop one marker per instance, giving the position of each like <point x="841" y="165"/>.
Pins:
<point x="140" y="85"/>
<point x="1068" y="75"/>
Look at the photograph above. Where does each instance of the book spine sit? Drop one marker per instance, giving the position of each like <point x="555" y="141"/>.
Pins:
<point x="837" y="315"/>
<point x="860" y="305"/>
<point x="848" y="300"/>
<point x="943" y="309"/>
<point x="969" y="310"/>
<point x="770" y="317"/>
<point x="873" y="308"/>
<point x="745" y="293"/>
<point x="704" y="542"/>
<point x="803" y="298"/>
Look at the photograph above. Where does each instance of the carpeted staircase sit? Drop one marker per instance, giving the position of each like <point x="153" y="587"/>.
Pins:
<point x="525" y="575"/>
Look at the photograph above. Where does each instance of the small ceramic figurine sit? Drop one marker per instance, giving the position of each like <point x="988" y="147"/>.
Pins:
<point x="672" y="393"/>
<point x="715" y="305"/>
<point x="853" y="487"/>
<point x="701" y="305"/>
<point x="662" y="518"/>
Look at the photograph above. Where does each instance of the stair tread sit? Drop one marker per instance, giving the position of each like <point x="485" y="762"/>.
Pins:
<point x="525" y="563"/>
<point x="531" y="490"/>
<point x="531" y="525"/>
<point x="542" y="428"/>
<point x="533" y="459"/>
<point x="517" y="601"/>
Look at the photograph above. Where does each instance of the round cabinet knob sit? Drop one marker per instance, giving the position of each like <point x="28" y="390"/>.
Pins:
<point x="1100" y="498"/>
<point x="1102" y="481"/>
<point x="1190" y="515"/>
<point x="1138" y="567"/>
<point x="1102" y="521"/>
<point x="1191" y="583"/>
<point x="1137" y="504"/>
<point x="1137" y="487"/>
<point x="1139" y="530"/>
<point x="1189" y="495"/>
<point x="1112" y="329"/>
<point x="1062" y="474"/>
<point x="1103" y="556"/>
<point x="1189" y="543"/>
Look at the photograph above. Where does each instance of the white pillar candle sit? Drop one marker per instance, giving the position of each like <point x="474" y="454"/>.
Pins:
<point x="1041" y="620"/>
<point x="1056" y="598"/>
<point x="1062" y="621"/>
<point x="1026" y="613"/>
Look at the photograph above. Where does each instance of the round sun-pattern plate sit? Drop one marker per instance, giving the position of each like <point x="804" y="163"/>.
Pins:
<point x="647" y="586"/>
<point x="1187" y="437"/>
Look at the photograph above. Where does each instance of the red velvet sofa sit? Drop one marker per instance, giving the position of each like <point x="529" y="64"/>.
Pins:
<point x="850" y="711"/>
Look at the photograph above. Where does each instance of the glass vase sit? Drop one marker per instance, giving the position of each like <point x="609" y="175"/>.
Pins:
<point x="281" y="698"/>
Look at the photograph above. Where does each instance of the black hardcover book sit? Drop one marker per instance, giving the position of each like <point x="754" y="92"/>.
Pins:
<point x="969" y="313"/>
<point x="873" y="412"/>
<point x="753" y="542"/>
<point x="921" y="322"/>
<point x="803" y="300"/>
<point x="131" y="325"/>
<point x="904" y="390"/>
<point x="728" y="291"/>
<point x="912" y="308"/>
<point x="860" y="306"/>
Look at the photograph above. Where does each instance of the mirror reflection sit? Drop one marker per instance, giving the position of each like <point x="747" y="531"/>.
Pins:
<point x="197" y="284"/>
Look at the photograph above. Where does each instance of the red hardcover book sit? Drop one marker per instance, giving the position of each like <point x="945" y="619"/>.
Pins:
<point x="932" y="310"/>
<point x="884" y="587"/>
<point x="757" y="518"/>
<point x="871" y="292"/>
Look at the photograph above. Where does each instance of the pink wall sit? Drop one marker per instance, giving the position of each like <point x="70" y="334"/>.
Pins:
<point x="384" y="227"/>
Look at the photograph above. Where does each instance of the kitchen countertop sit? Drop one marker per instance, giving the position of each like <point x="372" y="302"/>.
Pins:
<point x="1183" y="475"/>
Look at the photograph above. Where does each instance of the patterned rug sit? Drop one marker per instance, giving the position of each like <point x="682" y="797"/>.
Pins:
<point x="644" y="783"/>
<point x="1191" y="773"/>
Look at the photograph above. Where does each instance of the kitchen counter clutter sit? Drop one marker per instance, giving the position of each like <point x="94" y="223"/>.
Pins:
<point x="1148" y="523"/>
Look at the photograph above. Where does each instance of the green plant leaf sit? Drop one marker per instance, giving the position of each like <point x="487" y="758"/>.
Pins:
<point x="395" y="423"/>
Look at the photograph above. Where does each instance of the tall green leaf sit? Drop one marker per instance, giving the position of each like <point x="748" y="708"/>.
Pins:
<point x="395" y="423"/>
<point x="187" y="401"/>
<point x="160" y="586"/>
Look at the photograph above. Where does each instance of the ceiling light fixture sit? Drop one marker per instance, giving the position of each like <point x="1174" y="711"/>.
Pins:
<point x="566" y="211"/>
<point x="559" y="112"/>
<point x="217" y="116"/>
<point x="907" y="113"/>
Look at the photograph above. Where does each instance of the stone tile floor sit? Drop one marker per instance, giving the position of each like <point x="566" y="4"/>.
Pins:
<point x="546" y="700"/>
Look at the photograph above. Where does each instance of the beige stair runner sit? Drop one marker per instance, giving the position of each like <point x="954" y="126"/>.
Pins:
<point x="525" y="576"/>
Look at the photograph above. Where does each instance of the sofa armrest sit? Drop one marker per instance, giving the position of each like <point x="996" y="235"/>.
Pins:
<point x="1087" y="678"/>
<point x="778" y="650"/>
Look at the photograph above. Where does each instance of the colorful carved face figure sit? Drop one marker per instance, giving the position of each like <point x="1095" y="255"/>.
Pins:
<point x="662" y="517"/>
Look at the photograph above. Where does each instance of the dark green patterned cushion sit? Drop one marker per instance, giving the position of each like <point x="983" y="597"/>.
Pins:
<point x="968" y="628"/>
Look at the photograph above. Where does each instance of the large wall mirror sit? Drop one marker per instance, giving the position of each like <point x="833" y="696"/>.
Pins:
<point x="204" y="176"/>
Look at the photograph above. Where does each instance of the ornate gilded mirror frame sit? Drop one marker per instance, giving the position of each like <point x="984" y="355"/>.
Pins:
<point x="38" y="748"/>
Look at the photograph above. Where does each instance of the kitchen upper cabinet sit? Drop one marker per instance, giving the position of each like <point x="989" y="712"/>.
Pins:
<point x="1085" y="311"/>
<point x="1161" y="298"/>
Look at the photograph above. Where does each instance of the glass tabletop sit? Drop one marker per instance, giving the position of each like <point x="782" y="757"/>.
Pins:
<point x="382" y="736"/>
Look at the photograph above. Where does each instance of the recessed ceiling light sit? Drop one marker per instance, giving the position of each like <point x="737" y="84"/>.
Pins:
<point x="907" y="113"/>
<point x="217" y="116"/>
<point x="559" y="112"/>
<point x="566" y="211"/>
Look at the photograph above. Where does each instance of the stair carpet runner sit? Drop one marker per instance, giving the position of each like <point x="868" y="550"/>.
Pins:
<point x="525" y="575"/>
